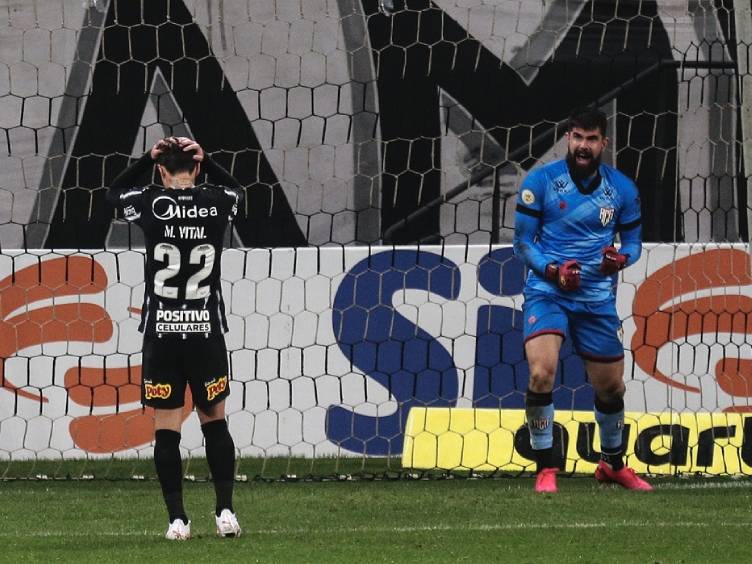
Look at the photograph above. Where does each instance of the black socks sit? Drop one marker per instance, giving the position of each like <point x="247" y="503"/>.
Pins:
<point x="170" y="471"/>
<point x="220" y="454"/>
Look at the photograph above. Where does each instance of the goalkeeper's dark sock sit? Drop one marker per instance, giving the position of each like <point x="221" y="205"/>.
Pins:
<point x="544" y="458"/>
<point x="614" y="459"/>
<point x="220" y="454"/>
<point x="539" y="412"/>
<point x="610" y="418"/>
<point x="170" y="471"/>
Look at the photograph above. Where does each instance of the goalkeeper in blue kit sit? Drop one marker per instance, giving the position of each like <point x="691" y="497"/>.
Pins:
<point x="567" y="217"/>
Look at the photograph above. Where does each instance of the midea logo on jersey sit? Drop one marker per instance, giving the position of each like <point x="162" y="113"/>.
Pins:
<point x="165" y="208"/>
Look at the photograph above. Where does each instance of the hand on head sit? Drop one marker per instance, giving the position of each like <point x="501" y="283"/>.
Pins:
<point x="189" y="144"/>
<point x="185" y="143"/>
<point x="159" y="147"/>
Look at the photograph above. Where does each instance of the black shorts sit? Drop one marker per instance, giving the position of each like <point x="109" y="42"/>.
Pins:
<point x="169" y="364"/>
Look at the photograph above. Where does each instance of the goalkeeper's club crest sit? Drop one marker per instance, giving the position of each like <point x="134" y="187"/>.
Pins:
<point x="607" y="214"/>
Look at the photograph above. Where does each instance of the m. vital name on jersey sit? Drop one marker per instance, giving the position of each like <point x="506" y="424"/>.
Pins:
<point x="185" y="232"/>
<point x="183" y="321"/>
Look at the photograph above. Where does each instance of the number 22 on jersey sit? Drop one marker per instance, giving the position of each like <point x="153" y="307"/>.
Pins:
<point x="169" y="253"/>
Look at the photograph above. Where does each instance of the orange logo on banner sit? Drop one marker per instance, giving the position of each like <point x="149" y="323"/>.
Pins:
<point x="215" y="387"/>
<point x="50" y="280"/>
<point x="658" y="322"/>
<point x="22" y="326"/>
<point x="157" y="391"/>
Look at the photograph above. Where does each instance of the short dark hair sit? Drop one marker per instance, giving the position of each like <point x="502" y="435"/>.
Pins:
<point x="175" y="160"/>
<point x="588" y="118"/>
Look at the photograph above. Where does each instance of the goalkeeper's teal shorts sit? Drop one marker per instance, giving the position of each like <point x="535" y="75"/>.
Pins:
<point x="594" y="327"/>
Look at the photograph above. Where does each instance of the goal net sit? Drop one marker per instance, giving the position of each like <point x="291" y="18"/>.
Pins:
<point x="374" y="301"/>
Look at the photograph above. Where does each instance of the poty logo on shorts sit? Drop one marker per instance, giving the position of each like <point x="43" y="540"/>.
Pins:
<point x="215" y="387"/>
<point x="165" y="208"/>
<point x="158" y="391"/>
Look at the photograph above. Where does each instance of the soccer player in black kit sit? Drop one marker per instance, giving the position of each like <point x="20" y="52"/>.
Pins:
<point x="183" y="319"/>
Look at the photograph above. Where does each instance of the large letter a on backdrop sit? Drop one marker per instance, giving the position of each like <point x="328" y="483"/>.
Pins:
<point x="137" y="39"/>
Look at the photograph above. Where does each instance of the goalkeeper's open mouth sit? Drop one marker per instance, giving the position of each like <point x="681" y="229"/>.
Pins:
<point x="583" y="158"/>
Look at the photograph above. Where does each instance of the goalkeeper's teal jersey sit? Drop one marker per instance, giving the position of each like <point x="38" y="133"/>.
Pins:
<point x="559" y="218"/>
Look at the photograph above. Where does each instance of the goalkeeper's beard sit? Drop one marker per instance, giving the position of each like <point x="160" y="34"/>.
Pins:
<point x="583" y="171"/>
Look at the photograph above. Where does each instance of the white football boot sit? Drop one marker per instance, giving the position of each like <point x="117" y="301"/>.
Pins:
<point x="227" y="524"/>
<point x="178" y="530"/>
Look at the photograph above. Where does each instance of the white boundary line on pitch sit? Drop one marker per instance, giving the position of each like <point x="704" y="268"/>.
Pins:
<point x="704" y="485"/>
<point x="412" y="529"/>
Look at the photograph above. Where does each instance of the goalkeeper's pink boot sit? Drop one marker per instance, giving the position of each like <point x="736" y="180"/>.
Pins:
<point x="625" y="477"/>
<point x="545" y="481"/>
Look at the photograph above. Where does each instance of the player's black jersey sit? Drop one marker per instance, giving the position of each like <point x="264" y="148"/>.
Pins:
<point x="184" y="231"/>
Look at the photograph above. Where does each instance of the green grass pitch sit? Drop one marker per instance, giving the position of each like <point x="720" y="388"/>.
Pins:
<point x="488" y="520"/>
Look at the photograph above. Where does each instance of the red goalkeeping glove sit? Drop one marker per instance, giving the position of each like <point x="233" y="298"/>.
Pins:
<point x="613" y="261"/>
<point x="566" y="276"/>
